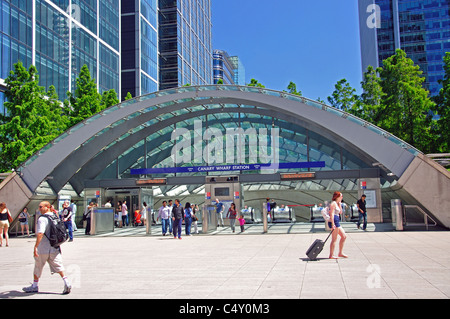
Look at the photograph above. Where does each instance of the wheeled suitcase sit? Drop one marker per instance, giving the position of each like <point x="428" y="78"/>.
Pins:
<point x="316" y="247"/>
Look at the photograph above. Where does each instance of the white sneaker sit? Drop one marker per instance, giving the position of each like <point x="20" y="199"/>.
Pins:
<point x="30" y="289"/>
<point x="67" y="289"/>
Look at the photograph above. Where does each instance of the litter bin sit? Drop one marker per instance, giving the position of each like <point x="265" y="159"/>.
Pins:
<point x="102" y="220"/>
<point x="397" y="213"/>
<point x="209" y="219"/>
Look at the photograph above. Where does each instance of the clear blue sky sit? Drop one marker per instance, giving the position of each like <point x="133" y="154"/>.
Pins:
<point x="312" y="43"/>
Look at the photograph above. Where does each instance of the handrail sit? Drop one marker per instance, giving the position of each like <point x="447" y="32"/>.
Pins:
<point x="425" y="215"/>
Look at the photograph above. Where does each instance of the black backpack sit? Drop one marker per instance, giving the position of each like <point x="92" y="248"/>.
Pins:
<point x="58" y="234"/>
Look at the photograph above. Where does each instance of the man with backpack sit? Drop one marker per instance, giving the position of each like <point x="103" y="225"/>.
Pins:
<point x="45" y="250"/>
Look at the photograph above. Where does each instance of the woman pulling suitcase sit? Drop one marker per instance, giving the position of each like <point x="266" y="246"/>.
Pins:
<point x="334" y="223"/>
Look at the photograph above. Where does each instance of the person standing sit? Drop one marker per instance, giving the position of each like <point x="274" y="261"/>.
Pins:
<point x="45" y="253"/>
<point x="334" y="224"/>
<point x="170" y="205"/>
<point x="66" y="217"/>
<point x="87" y="217"/>
<point x="4" y="223"/>
<point x="362" y="210"/>
<point x="195" y="209"/>
<point x="144" y="213"/>
<point x="232" y="215"/>
<point x="24" y="216"/>
<point x="187" y="219"/>
<point x="73" y="206"/>
<point x="164" y="214"/>
<point x="177" y="218"/>
<point x="219" y="210"/>
<point x="124" y="213"/>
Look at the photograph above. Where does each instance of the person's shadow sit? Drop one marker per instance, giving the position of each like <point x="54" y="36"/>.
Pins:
<point x="20" y="294"/>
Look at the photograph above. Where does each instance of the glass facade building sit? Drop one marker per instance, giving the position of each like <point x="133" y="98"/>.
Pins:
<point x="229" y="69"/>
<point x="420" y="28"/>
<point x="59" y="37"/>
<point x="139" y="47"/>
<point x="185" y="43"/>
<point x="239" y="70"/>
<point x="222" y="67"/>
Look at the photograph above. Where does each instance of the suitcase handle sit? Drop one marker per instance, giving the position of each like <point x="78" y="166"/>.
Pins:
<point x="328" y="236"/>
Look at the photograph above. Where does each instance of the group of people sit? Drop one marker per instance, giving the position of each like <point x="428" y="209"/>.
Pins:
<point x="172" y="216"/>
<point x="232" y="215"/>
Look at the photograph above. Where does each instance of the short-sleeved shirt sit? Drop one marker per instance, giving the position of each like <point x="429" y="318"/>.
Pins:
<point x="362" y="205"/>
<point x="219" y="207"/>
<point x="124" y="210"/>
<point x="42" y="228"/>
<point x="67" y="212"/>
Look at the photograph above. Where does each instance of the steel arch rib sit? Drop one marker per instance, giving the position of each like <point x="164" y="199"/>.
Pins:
<point x="335" y="127"/>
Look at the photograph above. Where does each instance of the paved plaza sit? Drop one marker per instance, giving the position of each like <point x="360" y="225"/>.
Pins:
<point x="381" y="264"/>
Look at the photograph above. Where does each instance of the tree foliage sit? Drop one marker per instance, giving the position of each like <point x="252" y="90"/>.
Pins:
<point x="394" y="99"/>
<point x="443" y="109"/>
<point x="34" y="117"/>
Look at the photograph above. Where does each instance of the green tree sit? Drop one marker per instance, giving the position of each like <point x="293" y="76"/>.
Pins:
<point x="406" y="103"/>
<point x="128" y="97"/>
<point x="443" y="109"/>
<point x="343" y="96"/>
<point x="292" y="88"/>
<point x="371" y="101"/>
<point x="33" y="117"/>
<point x="85" y="102"/>
<point x="255" y="83"/>
<point x="109" y="98"/>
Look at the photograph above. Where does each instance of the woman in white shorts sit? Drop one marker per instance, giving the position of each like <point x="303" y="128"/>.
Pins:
<point x="4" y="224"/>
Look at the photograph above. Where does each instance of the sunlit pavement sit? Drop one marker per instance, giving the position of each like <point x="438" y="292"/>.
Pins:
<point x="129" y="264"/>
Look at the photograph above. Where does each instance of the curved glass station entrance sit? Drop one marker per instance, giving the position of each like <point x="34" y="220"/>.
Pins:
<point x="238" y="144"/>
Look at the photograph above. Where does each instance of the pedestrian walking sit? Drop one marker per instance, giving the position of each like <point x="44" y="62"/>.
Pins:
<point x="362" y="210"/>
<point x="195" y="209"/>
<point x="66" y="217"/>
<point x="177" y="218"/>
<point x="24" y="217"/>
<point x="241" y="222"/>
<point x="219" y="210"/>
<point x="232" y="215"/>
<point x="73" y="206"/>
<point x="335" y="225"/>
<point x="45" y="253"/>
<point x="170" y="205"/>
<point x="164" y="214"/>
<point x="5" y="218"/>
<point x="187" y="219"/>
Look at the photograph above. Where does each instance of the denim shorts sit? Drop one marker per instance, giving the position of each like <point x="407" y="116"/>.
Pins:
<point x="336" y="222"/>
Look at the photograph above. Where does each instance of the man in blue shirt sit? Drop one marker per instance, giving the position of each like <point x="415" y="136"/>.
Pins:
<point x="219" y="211"/>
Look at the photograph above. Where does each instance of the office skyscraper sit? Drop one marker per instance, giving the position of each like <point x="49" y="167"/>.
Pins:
<point x="185" y="43"/>
<point x="139" y="55"/>
<point x="136" y="46"/>
<point x="229" y="69"/>
<point x="420" y="28"/>
<point x="59" y="37"/>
